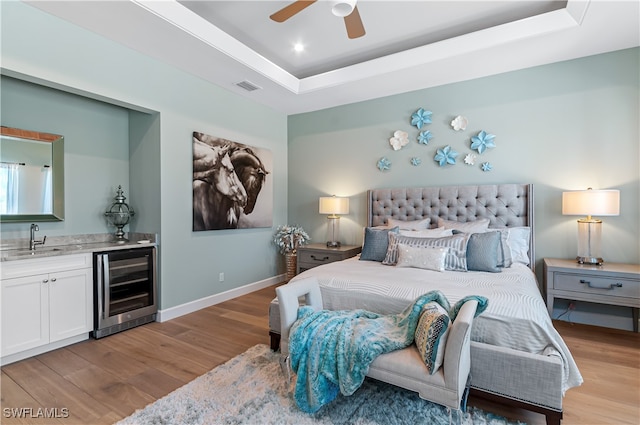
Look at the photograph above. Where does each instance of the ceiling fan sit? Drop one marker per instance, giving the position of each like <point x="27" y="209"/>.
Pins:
<point x="344" y="8"/>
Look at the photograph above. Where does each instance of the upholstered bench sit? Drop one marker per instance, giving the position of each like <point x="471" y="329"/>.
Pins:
<point x="404" y="368"/>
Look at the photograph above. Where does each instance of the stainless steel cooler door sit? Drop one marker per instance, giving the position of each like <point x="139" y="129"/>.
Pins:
<point x="125" y="286"/>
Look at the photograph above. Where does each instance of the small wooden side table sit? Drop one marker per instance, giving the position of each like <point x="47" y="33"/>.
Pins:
<point x="317" y="254"/>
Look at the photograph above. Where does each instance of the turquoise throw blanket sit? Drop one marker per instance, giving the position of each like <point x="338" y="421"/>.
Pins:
<point x="331" y="350"/>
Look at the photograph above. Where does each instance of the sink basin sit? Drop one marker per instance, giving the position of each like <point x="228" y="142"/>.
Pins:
<point x="41" y="250"/>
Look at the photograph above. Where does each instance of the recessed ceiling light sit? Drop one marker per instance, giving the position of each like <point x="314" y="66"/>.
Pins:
<point x="298" y="47"/>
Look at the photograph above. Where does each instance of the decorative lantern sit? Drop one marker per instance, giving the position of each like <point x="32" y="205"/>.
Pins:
<point x="119" y="214"/>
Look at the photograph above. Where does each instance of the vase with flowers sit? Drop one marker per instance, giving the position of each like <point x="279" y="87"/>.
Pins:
<point x="288" y="238"/>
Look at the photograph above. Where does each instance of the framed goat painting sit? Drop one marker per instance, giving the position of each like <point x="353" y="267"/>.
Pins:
<point x="232" y="188"/>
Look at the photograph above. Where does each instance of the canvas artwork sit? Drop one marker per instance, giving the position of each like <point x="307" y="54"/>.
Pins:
<point x="231" y="184"/>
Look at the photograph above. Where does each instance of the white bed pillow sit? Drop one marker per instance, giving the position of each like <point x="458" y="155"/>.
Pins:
<point x="409" y="225"/>
<point x="477" y="226"/>
<point x="428" y="258"/>
<point x="518" y="241"/>
<point x="438" y="232"/>
<point x="514" y="245"/>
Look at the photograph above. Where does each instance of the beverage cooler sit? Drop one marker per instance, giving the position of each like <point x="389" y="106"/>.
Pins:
<point x="125" y="293"/>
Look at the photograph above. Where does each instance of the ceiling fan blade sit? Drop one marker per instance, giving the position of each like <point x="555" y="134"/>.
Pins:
<point x="353" y="22"/>
<point x="288" y="11"/>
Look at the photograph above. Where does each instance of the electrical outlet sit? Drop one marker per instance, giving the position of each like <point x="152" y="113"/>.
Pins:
<point x="221" y="277"/>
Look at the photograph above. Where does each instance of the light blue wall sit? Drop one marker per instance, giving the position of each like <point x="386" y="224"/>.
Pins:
<point x="96" y="151"/>
<point x="59" y="54"/>
<point x="563" y="126"/>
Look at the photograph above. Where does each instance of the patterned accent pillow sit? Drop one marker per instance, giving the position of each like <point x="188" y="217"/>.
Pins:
<point x="409" y="225"/>
<point x="455" y="259"/>
<point x="376" y="242"/>
<point x="482" y="252"/>
<point x="431" y="335"/>
<point x="477" y="226"/>
<point x="429" y="258"/>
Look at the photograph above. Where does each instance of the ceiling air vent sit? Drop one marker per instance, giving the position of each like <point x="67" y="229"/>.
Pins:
<point x="248" y="85"/>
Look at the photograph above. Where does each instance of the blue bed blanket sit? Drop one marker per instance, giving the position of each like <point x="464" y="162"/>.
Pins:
<point x="331" y="350"/>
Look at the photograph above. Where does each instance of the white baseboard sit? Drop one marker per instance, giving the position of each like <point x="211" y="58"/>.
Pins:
<point x="192" y="306"/>
<point x="11" y="358"/>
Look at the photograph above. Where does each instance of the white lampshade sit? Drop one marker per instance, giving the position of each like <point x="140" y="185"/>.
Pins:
<point x="591" y="202"/>
<point x="334" y="205"/>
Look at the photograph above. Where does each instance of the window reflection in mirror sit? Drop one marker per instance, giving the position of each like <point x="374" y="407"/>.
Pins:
<point x="31" y="175"/>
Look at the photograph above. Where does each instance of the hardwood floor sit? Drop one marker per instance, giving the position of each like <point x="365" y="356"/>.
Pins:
<point x="102" y="381"/>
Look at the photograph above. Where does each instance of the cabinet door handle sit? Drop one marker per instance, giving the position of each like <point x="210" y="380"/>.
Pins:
<point x="609" y="286"/>
<point x="53" y="279"/>
<point x="319" y="259"/>
<point x="45" y="280"/>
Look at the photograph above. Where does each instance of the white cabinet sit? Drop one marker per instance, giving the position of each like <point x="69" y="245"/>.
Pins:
<point x="46" y="303"/>
<point x="25" y="313"/>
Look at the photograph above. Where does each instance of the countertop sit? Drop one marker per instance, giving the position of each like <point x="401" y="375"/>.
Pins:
<point x="18" y="249"/>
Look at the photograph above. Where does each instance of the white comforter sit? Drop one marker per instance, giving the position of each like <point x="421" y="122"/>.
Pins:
<point x="516" y="317"/>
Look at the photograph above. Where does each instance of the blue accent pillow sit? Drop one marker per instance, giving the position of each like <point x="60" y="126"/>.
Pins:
<point x="482" y="252"/>
<point x="376" y="242"/>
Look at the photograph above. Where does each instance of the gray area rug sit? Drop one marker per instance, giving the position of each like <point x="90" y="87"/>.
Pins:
<point x="250" y="389"/>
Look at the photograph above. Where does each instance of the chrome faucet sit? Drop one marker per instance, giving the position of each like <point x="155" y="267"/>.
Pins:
<point x="32" y="241"/>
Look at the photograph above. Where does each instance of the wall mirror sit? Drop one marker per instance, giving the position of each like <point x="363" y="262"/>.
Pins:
<point x="31" y="176"/>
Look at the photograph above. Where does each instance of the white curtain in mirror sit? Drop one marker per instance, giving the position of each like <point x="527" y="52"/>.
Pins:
<point x="9" y="188"/>
<point x="18" y="185"/>
<point x="47" y="193"/>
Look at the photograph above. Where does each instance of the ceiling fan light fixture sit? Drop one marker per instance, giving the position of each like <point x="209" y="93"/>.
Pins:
<point x="343" y="8"/>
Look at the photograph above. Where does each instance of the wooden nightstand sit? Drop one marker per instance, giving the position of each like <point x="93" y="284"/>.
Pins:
<point x="317" y="254"/>
<point x="611" y="283"/>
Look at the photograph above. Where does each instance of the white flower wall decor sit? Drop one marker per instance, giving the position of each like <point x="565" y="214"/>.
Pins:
<point x="399" y="140"/>
<point x="470" y="159"/>
<point x="459" y="123"/>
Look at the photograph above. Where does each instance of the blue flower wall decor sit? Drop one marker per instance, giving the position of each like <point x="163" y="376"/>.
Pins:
<point x="445" y="156"/>
<point x="420" y="118"/>
<point x="424" y="137"/>
<point x="384" y="164"/>
<point x="415" y="161"/>
<point x="486" y="166"/>
<point x="482" y="141"/>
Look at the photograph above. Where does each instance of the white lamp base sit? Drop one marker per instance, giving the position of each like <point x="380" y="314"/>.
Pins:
<point x="589" y="237"/>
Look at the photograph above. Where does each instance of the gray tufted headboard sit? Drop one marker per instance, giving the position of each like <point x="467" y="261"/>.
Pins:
<point x="505" y="205"/>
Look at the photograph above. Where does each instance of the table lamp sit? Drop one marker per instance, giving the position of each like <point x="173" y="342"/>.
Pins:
<point x="590" y="202"/>
<point x="333" y="206"/>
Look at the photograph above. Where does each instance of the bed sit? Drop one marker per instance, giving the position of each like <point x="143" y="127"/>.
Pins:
<point x="517" y="357"/>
